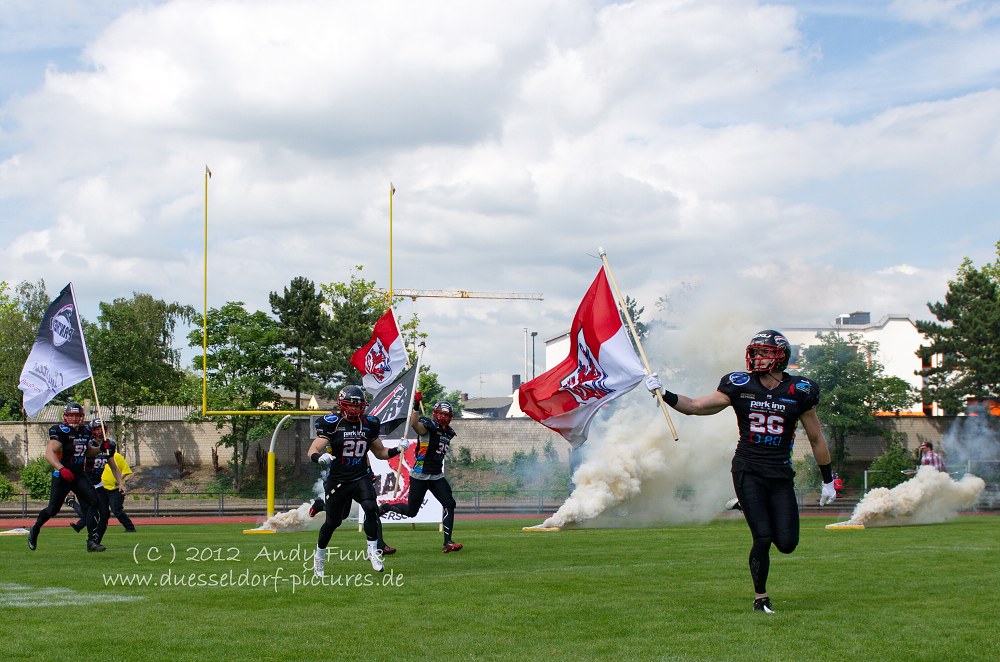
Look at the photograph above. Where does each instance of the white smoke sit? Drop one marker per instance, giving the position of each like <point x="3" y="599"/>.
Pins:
<point x="930" y="497"/>
<point x="972" y="444"/>
<point x="297" y="519"/>
<point x="633" y="472"/>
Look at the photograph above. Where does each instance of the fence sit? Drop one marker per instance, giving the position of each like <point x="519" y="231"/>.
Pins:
<point x="485" y="502"/>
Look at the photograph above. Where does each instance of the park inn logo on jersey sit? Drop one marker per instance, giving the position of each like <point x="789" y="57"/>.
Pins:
<point x="587" y="383"/>
<point x="61" y="326"/>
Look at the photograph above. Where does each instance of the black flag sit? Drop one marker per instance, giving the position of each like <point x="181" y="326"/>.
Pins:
<point x="391" y="405"/>
<point x="58" y="359"/>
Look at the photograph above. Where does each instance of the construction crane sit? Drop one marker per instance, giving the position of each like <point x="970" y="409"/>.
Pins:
<point x="462" y="294"/>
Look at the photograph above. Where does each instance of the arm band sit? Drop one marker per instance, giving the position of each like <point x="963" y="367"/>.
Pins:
<point x="826" y="472"/>
<point x="416" y="406"/>
<point x="670" y="398"/>
<point x="393" y="452"/>
<point x="315" y="458"/>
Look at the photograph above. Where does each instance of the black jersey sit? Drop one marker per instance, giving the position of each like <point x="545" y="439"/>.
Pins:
<point x="767" y="418"/>
<point x="75" y="442"/>
<point x="430" y="452"/>
<point x="348" y="443"/>
<point x="95" y="464"/>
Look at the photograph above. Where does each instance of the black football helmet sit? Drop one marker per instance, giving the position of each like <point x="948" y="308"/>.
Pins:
<point x="97" y="429"/>
<point x="352" y="402"/>
<point x="442" y="413"/>
<point x="73" y="415"/>
<point x="768" y="350"/>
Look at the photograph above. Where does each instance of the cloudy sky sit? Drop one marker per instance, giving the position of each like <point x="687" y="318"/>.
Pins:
<point x="789" y="160"/>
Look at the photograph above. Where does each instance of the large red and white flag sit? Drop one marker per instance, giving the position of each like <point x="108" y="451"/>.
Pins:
<point x="59" y="358"/>
<point x="383" y="358"/>
<point x="601" y="366"/>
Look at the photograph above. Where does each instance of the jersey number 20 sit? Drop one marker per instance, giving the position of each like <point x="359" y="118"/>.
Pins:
<point x="355" y="448"/>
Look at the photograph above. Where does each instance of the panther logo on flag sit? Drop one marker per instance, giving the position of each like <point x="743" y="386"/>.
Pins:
<point x="588" y="381"/>
<point x="61" y="326"/>
<point x="377" y="362"/>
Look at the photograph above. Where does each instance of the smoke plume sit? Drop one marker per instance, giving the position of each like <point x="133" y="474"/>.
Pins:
<point x="633" y="473"/>
<point x="297" y="519"/>
<point x="930" y="497"/>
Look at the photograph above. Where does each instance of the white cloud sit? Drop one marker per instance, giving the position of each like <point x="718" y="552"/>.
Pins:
<point x="711" y="143"/>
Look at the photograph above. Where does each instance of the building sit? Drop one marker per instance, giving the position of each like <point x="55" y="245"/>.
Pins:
<point x="897" y="338"/>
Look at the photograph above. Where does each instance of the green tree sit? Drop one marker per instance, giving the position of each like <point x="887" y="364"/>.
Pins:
<point x="854" y="387"/>
<point x="635" y="312"/>
<point x="887" y="469"/>
<point x="966" y="337"/>
<point x="432" y="391"/>
<point x="133" y="356"/>
<point x="245" y="360"/>
<point x="21" y="311"/>
<point x="304" y="327"/>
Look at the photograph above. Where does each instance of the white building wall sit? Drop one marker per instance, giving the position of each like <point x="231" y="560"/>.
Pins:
<point x="897" y="338"/>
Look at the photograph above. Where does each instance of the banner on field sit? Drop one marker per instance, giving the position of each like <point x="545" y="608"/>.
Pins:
<point x="385" y="482"/>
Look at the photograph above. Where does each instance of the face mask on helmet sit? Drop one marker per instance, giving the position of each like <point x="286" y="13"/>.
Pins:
<point x="73" y="414"/>
<point x="768" y="351"/>
<point x="352" y="402"/>
<point x="97" y="429"/>
<point x="442" y="413"/>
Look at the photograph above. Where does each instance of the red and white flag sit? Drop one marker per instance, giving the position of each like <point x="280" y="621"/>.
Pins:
<point x="601" y="366"/>
<point x="383" y="358"/>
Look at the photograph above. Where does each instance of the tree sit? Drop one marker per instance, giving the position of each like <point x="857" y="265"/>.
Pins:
<point x="244" y="361"/>
<point x="432" y="391"/>
<point x="853" y="387"/>
<point x="132" y="353"/>
<point x="966" y="338"/>
<point x="887" y="469"/>
<point x="304" y="326"/>
<point x="21" y="311"/>
<point x="635" y="312"/>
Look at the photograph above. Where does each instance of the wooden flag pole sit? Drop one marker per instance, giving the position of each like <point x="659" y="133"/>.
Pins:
<point x="409" y="408"/>
<point x="635" y="336"/>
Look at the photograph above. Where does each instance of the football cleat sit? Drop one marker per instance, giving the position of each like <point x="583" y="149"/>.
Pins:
<point x="764" y="605"/>
<point x="375" y="556"/>
<point x="95" y="546"/>
<point x="316" y="507"/>
<point x="33" y="538"/>
<point x="451" y="547"/>
<point x="388" y="551"/>
<point x="77" y="526"/>
<point x="734" y="504"/>
<point x="319" y="562"/>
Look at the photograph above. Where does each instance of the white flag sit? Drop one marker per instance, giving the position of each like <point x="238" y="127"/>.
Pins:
<point x="58" y="359"/>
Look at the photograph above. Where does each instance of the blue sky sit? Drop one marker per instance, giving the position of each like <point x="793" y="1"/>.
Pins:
<point x="779" y="163"/>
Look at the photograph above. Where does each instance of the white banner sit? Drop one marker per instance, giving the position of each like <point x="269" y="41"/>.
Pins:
<point x="385" y="480"/>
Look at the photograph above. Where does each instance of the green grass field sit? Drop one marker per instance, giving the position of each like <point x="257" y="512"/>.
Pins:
<point x="672" y="593"/>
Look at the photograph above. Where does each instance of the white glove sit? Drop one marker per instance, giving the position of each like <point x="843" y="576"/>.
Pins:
<point x="828" y="495"/>
<point x="653" y="383"/>
<point x="326" y="459"/>
<point x="403" y="445"/>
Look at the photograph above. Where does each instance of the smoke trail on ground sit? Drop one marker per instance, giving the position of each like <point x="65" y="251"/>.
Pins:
<point x="297" y="519"/>
<point x="633" y="473"/>
<point x="930" y="497"/>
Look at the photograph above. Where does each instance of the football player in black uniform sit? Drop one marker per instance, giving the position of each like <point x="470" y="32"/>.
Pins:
<point x="342" y="443"/>
<point x="427" y="472"/>
<point x="94" y="470"/>
<point x="69" y="445"/>
<point x="769" y="403"/>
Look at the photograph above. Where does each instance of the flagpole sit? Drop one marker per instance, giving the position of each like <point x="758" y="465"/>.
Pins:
<point x="409" y="408"/>
<point x="392" y="191"/>
<point x="86" y="357"/>
<point x="204" y="316"/>
<point x="635" y="336"/>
